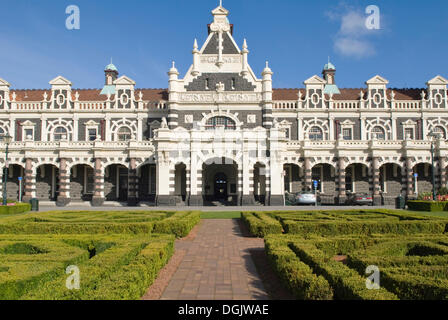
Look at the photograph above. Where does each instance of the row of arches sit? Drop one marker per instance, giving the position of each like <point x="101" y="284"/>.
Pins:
<point x="358" y="179"/>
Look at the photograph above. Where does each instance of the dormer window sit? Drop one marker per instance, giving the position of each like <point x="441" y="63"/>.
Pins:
<point x="60" y="99"/>
<point x="124" y="99"/>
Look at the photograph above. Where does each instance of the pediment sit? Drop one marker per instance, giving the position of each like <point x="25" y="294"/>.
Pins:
<point x="4" y="83"/>
<point x="124" y="80"/>
<point x="315" y="80"/>
<point x="60" y="81"/>
<point x="220" y="11"/>
<point x="91" y="123"/>
<point x="438" y="80"/>
<point x="377" y="80"/>
<point x="28" y="123"/>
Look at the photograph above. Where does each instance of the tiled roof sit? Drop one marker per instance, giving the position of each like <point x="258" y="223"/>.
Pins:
<point x="87" y="95"/>
<point x="162" y="94"/>
<point x="350" y="94"/>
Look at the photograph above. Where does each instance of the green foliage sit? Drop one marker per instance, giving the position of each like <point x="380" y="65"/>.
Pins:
<point x="430" y="206"/>
<point x="261" y="224"/>
<point x="139" y="222"/>
<point x="118" y="260"/>
<point x="17" y="208"/>
<point x="443" y="191"/>
<point x="296" y="275"/>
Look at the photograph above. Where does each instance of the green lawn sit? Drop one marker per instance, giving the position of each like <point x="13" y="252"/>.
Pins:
<point x="221" y="215"/>
<point x="443" y="214"/>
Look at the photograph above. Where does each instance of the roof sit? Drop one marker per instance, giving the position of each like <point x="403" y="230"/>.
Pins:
<point x="87" y="94"/>
<point x="331" y="89"/>
<point x="111" y="67"/>
<point x="329" y="66"/>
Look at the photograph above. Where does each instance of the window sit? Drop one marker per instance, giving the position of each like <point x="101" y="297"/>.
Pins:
<point x="347" y="134"/>
<point x="60" y="99"/>
<point x="28" y="134"/>
<point x="2" y="134"/>
<point x="220" y="122"/>
<point x="92" y="134"/>
<point x="316" y="134"/>
<point x="124" y="134"/>
<point x="124" y="99"/>
<point x="378" y="133"/>
<point x="441" y="131"/>
<point x="409" y="133"/>
<point x="288" y="133"/>
<point x="60" y="133"/>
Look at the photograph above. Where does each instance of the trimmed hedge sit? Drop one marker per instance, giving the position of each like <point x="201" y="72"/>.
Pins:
<point x="261" y="224"/>
<point x="428" y="206"/>
<point x="295" y="274"/>
<point x="17" y="208"/>
<point x="179" y="224"/>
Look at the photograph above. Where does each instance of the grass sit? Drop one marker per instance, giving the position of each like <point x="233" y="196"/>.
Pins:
<point x="443" y="214"/>
<point x="221" y="215"/>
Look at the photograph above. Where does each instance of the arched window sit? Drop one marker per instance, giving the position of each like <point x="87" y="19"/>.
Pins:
<point x="378" y="133"/>
<point x="124" y="134"/>
<point x="60" y="133"/>
<point x="440" y="131"/>
<point x="316" y="134"/>
<point x="220" y="122"/>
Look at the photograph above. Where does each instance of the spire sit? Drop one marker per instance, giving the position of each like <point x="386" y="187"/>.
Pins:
<point x="195" y="45"/>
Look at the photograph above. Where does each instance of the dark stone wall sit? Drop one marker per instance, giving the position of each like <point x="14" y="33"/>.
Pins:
<point x="37" y="128"/>
<point x="400" y="133"/>
<point x="12" y="184"/>
<point x="199" y="83"/>
<point x="82" y="128"/>
<point x="43" y="185"/>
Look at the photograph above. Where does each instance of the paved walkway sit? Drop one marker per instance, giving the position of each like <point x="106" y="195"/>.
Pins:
<point x="217" y="266"/>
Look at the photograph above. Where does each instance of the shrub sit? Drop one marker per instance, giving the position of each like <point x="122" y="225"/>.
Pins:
<point x="179" y="224"/>
<point x="261" y="224"/>
<point x="429" y="206"/>
<point x="17" y="208"/>
<point x="297" y="276"/>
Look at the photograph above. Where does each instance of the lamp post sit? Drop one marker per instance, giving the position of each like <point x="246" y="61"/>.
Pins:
<point x="7" y="140"/>
<point x="433" y="136"/>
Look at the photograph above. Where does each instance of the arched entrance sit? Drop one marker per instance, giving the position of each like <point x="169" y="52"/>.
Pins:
<point x="391" y="182"/>
<point x="220" y="186"/>
<point x="260" y="183"/>
<point x="181" y="182"/>
<point x="82" y="182"/>
<point x="12" y="185"/>
<point x="147" y="183"/>
<point x="47" y="182"/>
<point x="424" y="179"/>
<point x="116" y="183"/>
<point x="220" y="182"/>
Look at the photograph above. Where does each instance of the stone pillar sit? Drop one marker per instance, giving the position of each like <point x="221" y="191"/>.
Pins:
<point x="29" y="181"/>
<point x="308" y="175"/>
<point x="64" y="184"/>
<point x="196" y="199"/>
<point x="377" y="201"/>
<point x="248" y="198"/>
<point x="132" y="183"/>
<point x="98" y="196"/>
<point x="165" y="182"/>
<point x="342" y="196"/>
<point x="409" y="180"/>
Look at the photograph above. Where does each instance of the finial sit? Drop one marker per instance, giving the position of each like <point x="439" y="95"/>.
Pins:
<point x="267" y="64"/>
<point x="328" y="59"/>
<point x="220" y="3"/>
<point x="195" y="45"/>
<point x="245" y="44"/>
<point x="174" y="64"/>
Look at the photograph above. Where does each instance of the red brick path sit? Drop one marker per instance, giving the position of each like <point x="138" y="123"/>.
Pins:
<point x="217" y="266"/>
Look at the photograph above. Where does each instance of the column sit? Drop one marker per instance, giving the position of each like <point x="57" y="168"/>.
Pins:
<point x="377" y="200"/>
<point x="308" y="175"/>
<point x="98" y="196"/>
<point x="165" y="182"/>
<point x="409" y="179"/>
<point x="196" y="199"/>
<point x="442" y="170"/>
<point x="29" y="181"/>
<point x="341" y="173"/>
<point x="247" y="182"/>
<point x="64" y="184"/>
<point x="132" y="183"/>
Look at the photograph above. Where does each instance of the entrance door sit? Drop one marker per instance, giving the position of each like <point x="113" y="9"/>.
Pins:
<point x="123" y="184"/>
<point x="221" y="186"/>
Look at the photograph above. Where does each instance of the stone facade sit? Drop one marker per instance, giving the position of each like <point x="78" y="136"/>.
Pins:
<point x="223" y="135"/>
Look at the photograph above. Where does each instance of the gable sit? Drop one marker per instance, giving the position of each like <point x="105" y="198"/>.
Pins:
<point x="229" y="46"/>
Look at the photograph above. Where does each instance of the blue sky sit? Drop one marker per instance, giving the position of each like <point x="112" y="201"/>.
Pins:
<point x="143" y="37"/>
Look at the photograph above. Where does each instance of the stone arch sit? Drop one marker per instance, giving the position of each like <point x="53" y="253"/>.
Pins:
<point x="47" y="181"/>
<point x="392" y="181"/>
<point x="358" y="178"/>
<point x="424" y="179"/>
<point x="321" y="124"/>
<point x="384" y="124"/>
<point x="60" y="123"/>
<point x="82" y="181"/>
<point x="123" y="123"/>
<point x="116" y="181"/>
<point x="293" y="177"/>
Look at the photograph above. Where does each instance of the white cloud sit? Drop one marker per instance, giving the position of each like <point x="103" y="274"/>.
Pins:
<point x="353" y="39"/>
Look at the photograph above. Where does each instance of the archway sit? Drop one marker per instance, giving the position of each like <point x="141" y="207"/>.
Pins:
<point x="47" y="182"/>
<point x="82" y="182"/>
<point x="325" y="175"/>
<point x="180" y="180"/>
<point x="357" y="179"/>
<point x="147" y="182"/>
<point x="12" y="184"/>
<point x="260" y="183"/>
<point x="391" y="182"/>
<point x="292" y="180"/>
<point x="220" y="182"/>
<point x="116" y="183"/>
<point x="424" y="179"/>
